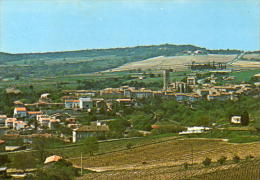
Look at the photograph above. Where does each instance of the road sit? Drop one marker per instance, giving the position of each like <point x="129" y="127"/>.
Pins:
<point x="237" y="58"/>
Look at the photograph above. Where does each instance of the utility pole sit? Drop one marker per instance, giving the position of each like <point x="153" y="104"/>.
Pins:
<point x="191" y="154"/>
<point x="81" y="164"/>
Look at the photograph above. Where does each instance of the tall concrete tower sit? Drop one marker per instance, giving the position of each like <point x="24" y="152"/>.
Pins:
<point x="166" y="79"/>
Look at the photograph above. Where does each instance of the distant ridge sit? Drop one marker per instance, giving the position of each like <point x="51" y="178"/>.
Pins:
<point x="89" y="60"/>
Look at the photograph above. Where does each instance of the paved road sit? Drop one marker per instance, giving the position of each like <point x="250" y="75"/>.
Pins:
<point x="237" y="58"/>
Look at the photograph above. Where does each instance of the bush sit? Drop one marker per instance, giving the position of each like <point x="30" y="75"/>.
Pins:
<point x="186" y="166"/>
<point x="222" y="160"/>
<point x="163" y="129"/>
<point x="129" y="145"/>
<point x="249" y="157"/>
<point x="207" y="161"/>
<point x="236" y="159"/>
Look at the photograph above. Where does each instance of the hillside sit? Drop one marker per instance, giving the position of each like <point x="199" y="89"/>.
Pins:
<point x="87" y="61"/>
<point x="165" y="160"/>
<point x="178" y="63"/>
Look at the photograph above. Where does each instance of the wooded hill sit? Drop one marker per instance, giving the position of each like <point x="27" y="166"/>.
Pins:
<point x="87" y="61"/>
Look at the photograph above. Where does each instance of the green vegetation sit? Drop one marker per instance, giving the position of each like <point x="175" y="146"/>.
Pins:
<point x="236" y="159"/>
<point x="222" y="160"/>
<point x="86" y="61"/>
<point x="90" y="145"/>
<point x="206" y="161"/>
<point x="61" y="170"/>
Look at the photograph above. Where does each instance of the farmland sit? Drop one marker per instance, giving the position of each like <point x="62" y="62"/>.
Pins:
<point x="175" y="153"/>
<point x="148" y="162"/>
<point x="178" y="63"/>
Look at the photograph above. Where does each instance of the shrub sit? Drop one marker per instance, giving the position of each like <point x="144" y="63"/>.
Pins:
<point x="129" y="145"/>
<point x="236" y="158"/>
<point x="207" y="161"/>
<point x="249" y="157"/>
<point x="222" y="160"/>
<point x="186" y="166"/>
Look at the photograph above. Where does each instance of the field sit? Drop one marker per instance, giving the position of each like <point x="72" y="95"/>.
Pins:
<point x="164" y="160"/>
<point x="252" y="56"/>
<point x="246" y="170"/>
<point x="178" y="63"/>
<point x="247" y="64"/>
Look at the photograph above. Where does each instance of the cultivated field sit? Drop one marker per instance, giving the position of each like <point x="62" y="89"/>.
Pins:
<point x="253" y="56"/>
<point x="164" y="160"/>
<point x="247" y="64"/>
<point x="178" y="63"/>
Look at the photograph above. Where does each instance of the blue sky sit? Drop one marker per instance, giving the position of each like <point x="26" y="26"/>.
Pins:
<point x="59" y="25"/>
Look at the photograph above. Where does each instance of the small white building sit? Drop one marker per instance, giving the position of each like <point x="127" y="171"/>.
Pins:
<point x="236" y="119"/>
<point x="85" y="103"/>
<point x="195" y="130"/>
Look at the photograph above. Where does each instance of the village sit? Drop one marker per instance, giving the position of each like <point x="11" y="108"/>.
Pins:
<point x="51" y="116"/>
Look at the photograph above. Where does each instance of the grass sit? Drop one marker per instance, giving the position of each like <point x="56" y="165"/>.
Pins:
<point x="234" y="136"/>
<point x="244" y="75"/>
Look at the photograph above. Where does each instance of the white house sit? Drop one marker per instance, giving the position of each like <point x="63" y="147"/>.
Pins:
<point x="72" y="104"/>
<point x="85" y="103"/>
<point x="20" y="112"/>
<point x="195" y="130"/>
<point x="236" y="119"/>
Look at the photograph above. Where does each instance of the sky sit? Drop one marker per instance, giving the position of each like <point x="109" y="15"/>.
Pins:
<point x="61" y="25"/>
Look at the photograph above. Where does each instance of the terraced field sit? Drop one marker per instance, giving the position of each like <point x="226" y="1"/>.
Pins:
<point x="162" y="160"/>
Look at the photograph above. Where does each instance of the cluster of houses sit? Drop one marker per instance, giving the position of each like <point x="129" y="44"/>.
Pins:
<point x="107" y="99"/>
<point x="180" y="91"/>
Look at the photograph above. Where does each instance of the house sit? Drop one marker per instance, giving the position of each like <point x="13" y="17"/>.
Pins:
<point x="193" y="97"/>
<point x="33" y="114"/>
<point x="124" y="102"/>
<point x="142" y="93"/>
<point x="191" y="80"/>
<point x="181" y="97"/>
<point x="82" y="132"/>
<point x="52" y="159"/>
<point x="203" y="92"/>
<point x="20" y="112"/>
<point x="47" y="121"/>
<point x="19" y="125"/>
<point x="220" y="96"/>
<point x="179" y="87"/>
<point x="2" y="120"/>
<point x="85" y="103"/>
<point x="3" y="172"/>
<point x="112" y="91"/>
<point x="195" y="130"/>
<point x="236" y="119"/>
<point x="72" y="104"/>
<point x="9" y="122"/>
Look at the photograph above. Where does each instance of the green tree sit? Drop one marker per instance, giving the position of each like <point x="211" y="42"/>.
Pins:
<point x="207" y="161"/>
<point x="90" y="145"/>
<point x="245" y="118"/>
<point x="61" y="170"/>
<point x="4" y="159"/>
<point x="236" y="159"/>
<point x="23" y="161"/>
<point x="222" y="160"/>
<point x="41" y="144"/>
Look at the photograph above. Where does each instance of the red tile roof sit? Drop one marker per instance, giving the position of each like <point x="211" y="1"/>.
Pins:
<point x="20" y="109"/>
